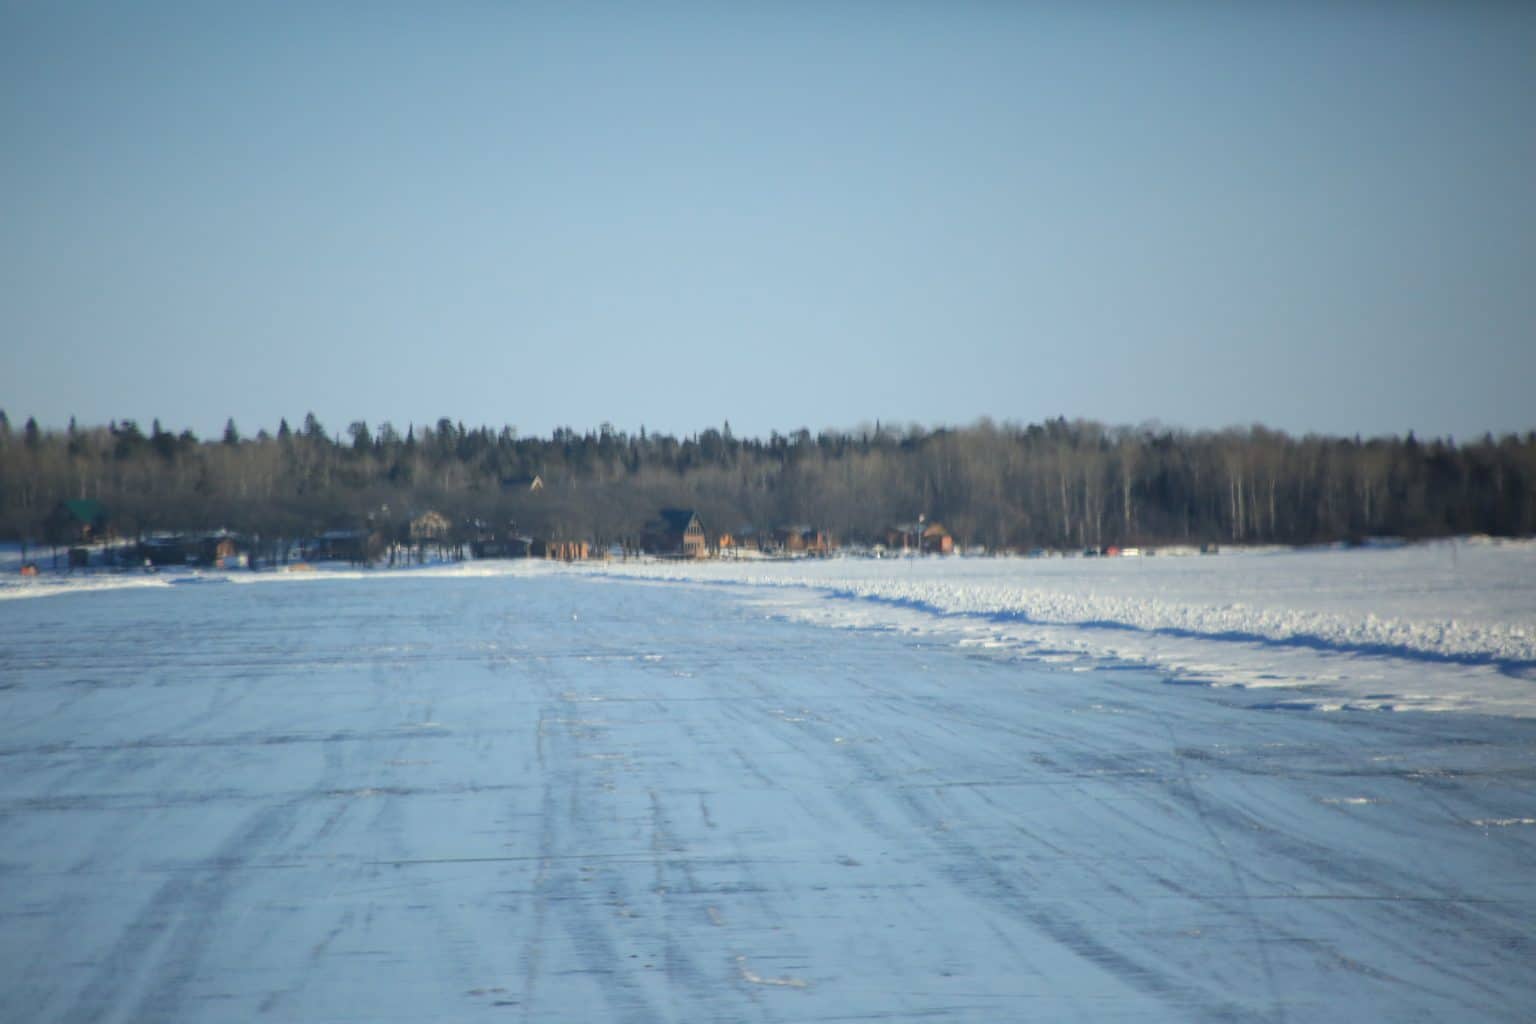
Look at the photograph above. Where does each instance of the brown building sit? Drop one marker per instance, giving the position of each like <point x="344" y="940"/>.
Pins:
<point x="223" y="551"/>
<point x="802" y="540"/>
<point x="677" y="533"/>
<point x="937" y="541"/>
<point x="928" y="538"/>
<point x="560" y="550"/>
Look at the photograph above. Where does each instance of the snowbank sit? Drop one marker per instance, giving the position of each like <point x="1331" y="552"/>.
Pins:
<point x="1444" y="626"/>
<point x="50" y="583"/>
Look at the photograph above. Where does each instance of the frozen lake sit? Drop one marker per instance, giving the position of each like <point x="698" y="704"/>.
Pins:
<point x="559" y="798"/>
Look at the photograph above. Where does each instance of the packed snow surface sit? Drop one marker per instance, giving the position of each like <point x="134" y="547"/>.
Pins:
<point x="1444" y="626"/>
<point x="537" y="796"/>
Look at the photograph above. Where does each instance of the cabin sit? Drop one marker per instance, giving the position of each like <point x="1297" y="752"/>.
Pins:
<point x="927" y="538"/>
<point x="560" y="550"/>
<point x="676" y="533"/>
<point x="220" y="550"/>
<point x="790" y="539"/>
<point x="802" y="540"/>
<point x="80" y="521"/>
<point x="937" y="541"/>
<point x="490" y="542"/>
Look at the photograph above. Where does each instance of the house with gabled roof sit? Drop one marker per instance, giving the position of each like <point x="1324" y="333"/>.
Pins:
<point x="675" y="533"/>
<point x="77" y="521"/>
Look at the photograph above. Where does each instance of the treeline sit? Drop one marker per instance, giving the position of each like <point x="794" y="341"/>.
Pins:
<point x="1051" y="484"/>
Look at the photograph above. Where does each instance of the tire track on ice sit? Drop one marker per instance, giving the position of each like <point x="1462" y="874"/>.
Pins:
<point x="1237" y="874"/>
<point x="974" y="872"/>
<point x="559" y="899"/>
<point x="158" y="954"/>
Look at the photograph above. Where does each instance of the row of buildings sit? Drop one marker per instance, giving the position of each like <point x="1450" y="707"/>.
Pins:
<point x="674" y="533"/>
<point x="679" y="533"/>
<point x="79" y="527"/>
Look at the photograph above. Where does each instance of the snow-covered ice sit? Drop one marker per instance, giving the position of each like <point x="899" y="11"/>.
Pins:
<point x="552" y="796"/>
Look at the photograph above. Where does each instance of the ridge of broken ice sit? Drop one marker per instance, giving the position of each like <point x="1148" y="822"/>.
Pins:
<point x="1444" y="626"/>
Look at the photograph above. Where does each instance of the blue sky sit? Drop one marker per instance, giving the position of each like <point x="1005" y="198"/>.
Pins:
<point x="1318" y="216"/>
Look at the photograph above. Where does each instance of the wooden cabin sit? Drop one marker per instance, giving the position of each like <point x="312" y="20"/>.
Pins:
<point x="676" y="533"/>
<point x="561" y="550"/>
<point x="802" y="540"/>
<point x="937" y="541"/>
<point x="927" y="538"/>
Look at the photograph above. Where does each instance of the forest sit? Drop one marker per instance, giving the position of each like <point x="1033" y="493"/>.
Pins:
<point x="1053" y="484"/>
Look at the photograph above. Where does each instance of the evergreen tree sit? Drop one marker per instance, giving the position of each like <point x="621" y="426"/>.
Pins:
<point x="1055" y="484"/>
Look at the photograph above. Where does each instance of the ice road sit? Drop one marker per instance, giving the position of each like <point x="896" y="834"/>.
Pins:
<point x="557" y="798"/>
